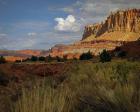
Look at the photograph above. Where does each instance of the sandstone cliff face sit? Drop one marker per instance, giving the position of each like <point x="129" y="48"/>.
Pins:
<point x="75" y="50"/>
<point x="118" y="29"/>
<point x="121" y="21"/>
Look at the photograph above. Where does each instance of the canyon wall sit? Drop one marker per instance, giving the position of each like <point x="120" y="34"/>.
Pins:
<point x="122" y="23"/>
<point x="120" y="27"/>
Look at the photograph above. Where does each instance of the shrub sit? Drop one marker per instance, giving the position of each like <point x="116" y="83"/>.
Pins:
<point x="34" y="58"/>
<point x="105" y="56"/>
<point x="122" y="54"/>
<point x="3" y="79"/>
<point x="41" y="58"/>
<point x="59" y="59"/>
<point x="86" y="56"/>
<point x="49" y="58"/>
<point x="119" y="52"/>
<point x="87" y="87"/>
<point x="26" y="60"/>
<point x="18" y="61"/>
<point x="65" y="57"/>
<point x="55" y="59"/>
<point x="2" y="60"/>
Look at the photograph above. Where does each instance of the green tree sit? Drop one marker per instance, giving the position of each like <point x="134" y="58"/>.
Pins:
<point x="41" y="58"/>
<point x="2" y="60"/>
<point x="34" y="58"/>
<point x="61" y="59"/>
<point x="105" y="56"/>
<point x="49" y="58"/>
<point x="58" y="59"/>
<point x="18" y="61"/>
<point x="86" y="56"/>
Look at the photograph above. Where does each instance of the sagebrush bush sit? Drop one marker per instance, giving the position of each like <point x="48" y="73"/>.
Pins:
<point x="105" y="56"/>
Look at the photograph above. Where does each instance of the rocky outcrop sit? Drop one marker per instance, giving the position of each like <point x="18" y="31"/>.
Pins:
<point x="119" y="28"/>
<point x="125" y="22"/>
<point x="75" y="50"/>
<point x="13" y="55"/>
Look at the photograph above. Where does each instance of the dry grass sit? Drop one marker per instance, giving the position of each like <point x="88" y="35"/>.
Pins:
<point x="108" y="87"/>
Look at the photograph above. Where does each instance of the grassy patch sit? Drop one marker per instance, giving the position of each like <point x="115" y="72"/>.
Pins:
<point x="88" y="87"/>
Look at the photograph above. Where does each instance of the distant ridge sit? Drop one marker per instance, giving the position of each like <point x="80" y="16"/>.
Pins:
<point x="12" y="55"/>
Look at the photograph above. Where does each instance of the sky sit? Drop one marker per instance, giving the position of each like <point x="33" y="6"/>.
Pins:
<point x="41" y="24"/>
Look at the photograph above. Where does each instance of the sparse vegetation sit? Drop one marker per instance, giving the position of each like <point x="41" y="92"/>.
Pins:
<point x="18" y="61"/>
<point x="50" y="58"/>
<point x="41" y="58"/>
<point x="59" y="59"/>
<point x="86" y="56"/>
<point x="3" y="79"/>
<point x="120" y="53"/>
<point x="34" y="58"/>
<point x="2" y="60"/>
<point x="105" y="56"/>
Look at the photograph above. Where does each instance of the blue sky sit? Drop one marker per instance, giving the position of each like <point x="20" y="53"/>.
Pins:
<point x="40" y="24"/>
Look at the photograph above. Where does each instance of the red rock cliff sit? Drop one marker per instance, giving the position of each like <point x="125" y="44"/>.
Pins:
<point x="124" y="21"/>
<point x="119" y="28"/>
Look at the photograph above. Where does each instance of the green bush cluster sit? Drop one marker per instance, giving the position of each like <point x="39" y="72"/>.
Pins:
<point x="105" y="56"/>
<point x="44" y="59"/>
<point x="55" y="59"/>
<point x="2" y="60"/>
<point x="33" y="59"/>
<point x="86" y="56"/>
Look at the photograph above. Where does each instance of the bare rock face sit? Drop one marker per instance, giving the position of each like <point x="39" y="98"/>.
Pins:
<point x="75" y="50"/>
<point x="121" y="21"/>
<point x="119" y="28"/>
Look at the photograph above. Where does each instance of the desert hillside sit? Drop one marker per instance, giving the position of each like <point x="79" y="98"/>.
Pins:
<point x="13" y="55"/>
<point x="123" y="25"/>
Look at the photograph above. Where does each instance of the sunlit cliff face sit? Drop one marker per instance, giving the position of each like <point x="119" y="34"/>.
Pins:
<point x="122" y="21"/>
<point x="121" y="26"/>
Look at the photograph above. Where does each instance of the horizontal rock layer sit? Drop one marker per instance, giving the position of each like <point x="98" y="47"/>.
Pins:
<point x="119" y="28"/>
<point x="121" y="21"/>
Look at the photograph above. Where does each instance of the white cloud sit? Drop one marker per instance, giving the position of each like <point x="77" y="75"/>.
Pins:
<point x="3" y="34"/>
<point x="67" y="24"/>
<point x="32" y="34"/>
<point x="93" y="11"/>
